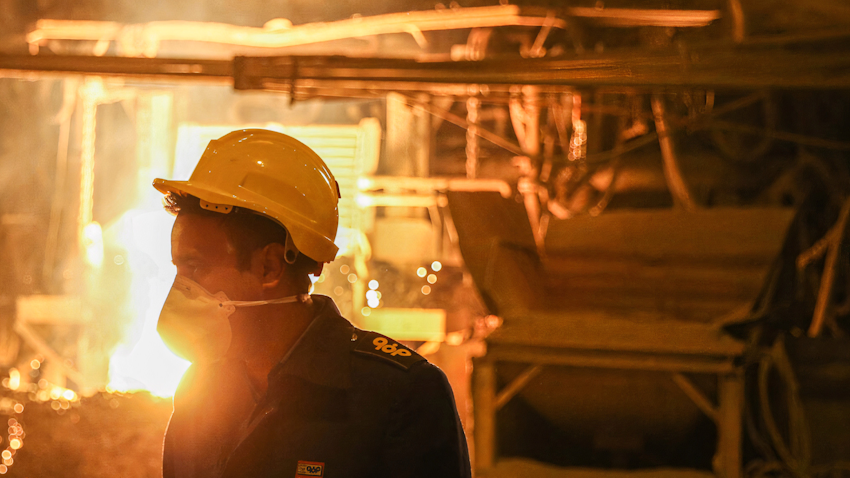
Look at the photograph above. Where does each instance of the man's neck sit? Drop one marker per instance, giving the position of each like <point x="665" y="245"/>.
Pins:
<point x="268" y="336"/>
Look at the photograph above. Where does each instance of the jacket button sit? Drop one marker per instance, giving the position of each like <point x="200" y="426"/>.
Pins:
<point x="354" y="337"/>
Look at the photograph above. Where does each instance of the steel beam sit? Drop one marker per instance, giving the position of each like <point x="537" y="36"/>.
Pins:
<point x="308" y="76"/>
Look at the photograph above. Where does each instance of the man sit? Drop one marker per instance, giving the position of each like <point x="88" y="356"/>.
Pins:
<point x="281" y="385"/>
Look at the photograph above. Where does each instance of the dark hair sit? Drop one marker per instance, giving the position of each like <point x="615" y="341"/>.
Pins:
<point x="247" y="232"/>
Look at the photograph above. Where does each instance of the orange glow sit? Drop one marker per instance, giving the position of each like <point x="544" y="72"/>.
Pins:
<point x="14" y="378"/>
<point x="144" y="362"/>
<point x="16" y="443"/>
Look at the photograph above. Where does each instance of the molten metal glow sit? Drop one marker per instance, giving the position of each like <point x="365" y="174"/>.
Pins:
<point x="144" y="362"/>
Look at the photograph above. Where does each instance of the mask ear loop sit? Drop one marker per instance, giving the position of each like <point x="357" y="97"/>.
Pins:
<point x="290" y="253"/>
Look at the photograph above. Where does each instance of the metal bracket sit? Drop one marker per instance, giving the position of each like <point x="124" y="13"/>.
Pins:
<point x="516" y="385"/>
<point x="701" y="401"/>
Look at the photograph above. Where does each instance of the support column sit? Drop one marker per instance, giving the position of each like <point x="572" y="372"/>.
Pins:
<point x="727" y="460"/>
<point x="484" y="403"/>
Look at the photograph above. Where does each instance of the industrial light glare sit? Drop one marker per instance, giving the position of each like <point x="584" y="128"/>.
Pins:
<point x="14" y="378"/>
<point x="373" y="284"/>
<point x="93" y="244"/>
<point x="69" y="395"/>
<point x="16" y="443"/>
<point x="371" y="295"/>
<point x="352" y="278"/>
<point x="35" y="364"/>
<point x="426" y="289"/>
<point x="432" y="278"/>
<point x="373" y="303"/>
<point x="344" y="269"/>
<point x="421" y="272"/>
<point x="436" y="266"/>
<point x="365" y="311"/>
<point x="363" y="200"/>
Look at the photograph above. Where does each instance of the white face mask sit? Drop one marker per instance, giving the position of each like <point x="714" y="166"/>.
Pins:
<point x="195" y="324"/>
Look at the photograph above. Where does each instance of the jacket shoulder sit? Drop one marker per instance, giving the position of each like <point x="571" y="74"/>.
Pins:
<point x="380" y="347"/>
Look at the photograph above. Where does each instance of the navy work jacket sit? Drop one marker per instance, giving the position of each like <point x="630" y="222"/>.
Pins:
<point x="343" y="403"/>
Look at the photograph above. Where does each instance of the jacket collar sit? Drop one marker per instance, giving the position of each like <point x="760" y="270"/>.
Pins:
<point x="323" y="353"/>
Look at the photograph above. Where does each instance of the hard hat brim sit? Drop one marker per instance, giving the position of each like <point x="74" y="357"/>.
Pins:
<point x="311" y="243"/>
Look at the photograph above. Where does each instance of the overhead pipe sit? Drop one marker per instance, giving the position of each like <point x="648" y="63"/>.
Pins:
<point x="672" y="172"/>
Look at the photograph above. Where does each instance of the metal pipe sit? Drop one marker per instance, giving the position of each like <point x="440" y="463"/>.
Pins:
<point x="829" y="270"/>
<point x="472" y="104"/>
<point x="280" y="33"/>
<point x="678" y="188"/>
<point x="435" y="184"/>
<point x="738" y="25"/>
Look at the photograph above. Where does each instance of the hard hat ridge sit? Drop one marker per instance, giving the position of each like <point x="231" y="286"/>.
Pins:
<point x="273" y="175"/>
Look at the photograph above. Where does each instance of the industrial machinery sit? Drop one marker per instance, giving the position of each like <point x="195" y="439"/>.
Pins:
<point x="632" y="215"/>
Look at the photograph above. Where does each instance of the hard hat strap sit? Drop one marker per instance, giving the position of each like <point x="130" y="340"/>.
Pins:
<point x="290" y="253"/>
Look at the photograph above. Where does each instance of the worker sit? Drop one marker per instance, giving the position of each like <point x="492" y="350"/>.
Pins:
<point x="281" y="384"/>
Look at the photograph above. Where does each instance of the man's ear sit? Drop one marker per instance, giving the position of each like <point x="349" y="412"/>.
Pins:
<point x="274" y="264"/>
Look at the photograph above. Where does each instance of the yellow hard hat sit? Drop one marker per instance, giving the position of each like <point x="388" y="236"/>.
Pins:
<point x="273" y="175"/>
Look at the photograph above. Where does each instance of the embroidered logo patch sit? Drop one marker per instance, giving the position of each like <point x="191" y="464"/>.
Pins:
<point x="309" y="469"/>
<point x="376" y="345"/>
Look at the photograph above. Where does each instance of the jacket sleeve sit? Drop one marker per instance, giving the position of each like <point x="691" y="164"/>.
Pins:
<point x="425" y="438"/>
